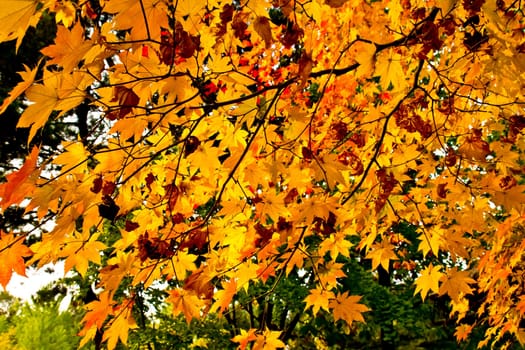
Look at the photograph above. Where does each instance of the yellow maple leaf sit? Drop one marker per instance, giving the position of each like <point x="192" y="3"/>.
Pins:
<point x="139" y="17"/>
<point x="186" y="302"/>
<point x="318" y="298"/>
<point x="381" y="254"/>
<point x="269" y="340"/>
<point x="65" y="12"/>
<point x="224" y="296"/>
<point x="513" y="197"/>
<point x="391" y="71"/>
<point x="182" y="263"/>
<point x="75" y="154"/>
<point x="294" y="259"/>
<point x="206" y="159"/>
<point x="28" y="77"/>
<point x="120" y="326"/>
<point x="330" y="272"/>
<point x="83" y="249"/>
<point x="116" y="269"/>
<point x="69" y="48"/>
<point x="428" y="280"/>
<point x="59" y="92"/>
<point x="431" y="240"/>
<point x="347" y="307"/>
<point x="365" y="56"/>
<point x="456" y="284"/>
<point x="272" y="205"/>
<point x="16" y="16"/>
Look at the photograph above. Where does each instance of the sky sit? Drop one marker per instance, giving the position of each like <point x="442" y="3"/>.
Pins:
<point x="25" y="287"/>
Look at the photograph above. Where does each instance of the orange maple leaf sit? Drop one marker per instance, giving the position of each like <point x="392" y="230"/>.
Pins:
<point x="463" y="331"/>
<point x="16" y="189"/>
<point x="245" y="337"/>
<point x="474" y="148"/>
<point x="12" y="254"/>
<point x="97" y="312"/>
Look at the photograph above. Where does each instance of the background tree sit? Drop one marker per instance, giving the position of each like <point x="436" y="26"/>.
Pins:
<point x="234" y="146"/>
<point x="40" y="324"/>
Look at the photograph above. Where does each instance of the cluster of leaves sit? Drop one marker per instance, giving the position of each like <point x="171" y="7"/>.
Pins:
<point x="238" y="143"/>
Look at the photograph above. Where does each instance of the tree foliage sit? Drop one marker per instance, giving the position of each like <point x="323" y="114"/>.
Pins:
<point x="233" y="143"/>
<point x="38" y="325"/>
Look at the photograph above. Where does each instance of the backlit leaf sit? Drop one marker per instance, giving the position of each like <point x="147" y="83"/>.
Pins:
<point x="428" y="280"/>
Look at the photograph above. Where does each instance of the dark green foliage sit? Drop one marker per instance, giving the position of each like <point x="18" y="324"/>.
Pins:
<point x="13" y="142"/>
<point x="168" y="333"/>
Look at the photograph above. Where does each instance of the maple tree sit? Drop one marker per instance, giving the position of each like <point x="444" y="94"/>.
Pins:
<point x="235" y="143"/>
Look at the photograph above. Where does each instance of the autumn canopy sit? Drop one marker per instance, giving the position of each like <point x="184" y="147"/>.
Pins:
<point x="233" y="143"/>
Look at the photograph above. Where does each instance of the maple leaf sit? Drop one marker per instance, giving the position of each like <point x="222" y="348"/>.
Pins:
<point x="80" y="252"/>
<point x="456" y="284"/>
<point x="428" y="280"/>
<point x="97" y="312"/>
<point x="187" y="303"/>
<point x="12" y="254"/>
<point x="513" y="197"/>
<point x="224" y="296"/>
<point x="262" y="27"/>
<point x="329" y="273"/>
<point x="245" y="337"/>
<point x="381" y="254"/>
<point x="318" y="298"/>
<point x="347" y="307"/>
<point x="183" y="262"/>
<point x="269" y="340"/>
<point x="116" y="269"/>
<point x="74" y="156"/>
<point x="16" y="189"/>
<point x="65" y="13"/>
<point x="390" y="69"/>
<point x="16" y="16"/>
<point x="28" y="77"/>
<point x="59" y="92"/>
<point x="119" y="326"/>
<point x="521" y="305"/>
<point x="69" y="48"/>
<point x="431" y="240"/>
<point x="293" y="259"/>
<point x="475" y="148"/>
<point x="463" y="331"/>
